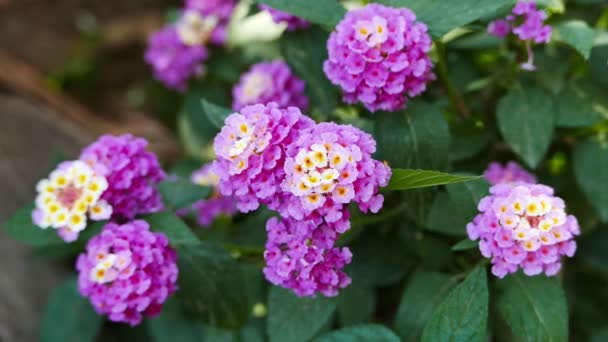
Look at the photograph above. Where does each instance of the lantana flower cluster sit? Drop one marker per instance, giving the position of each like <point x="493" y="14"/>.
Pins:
<point x="378" y="55"/>
<point x="291" y="21"/>
<point x="496" y="173"/>
<point x="269" y="82"/>
<point x="527" y="23"/>
<point x="127" y="272"/>
<point x="308" y="173"/>
<point x="177" y="51"/>
<point x="524" y="225"/>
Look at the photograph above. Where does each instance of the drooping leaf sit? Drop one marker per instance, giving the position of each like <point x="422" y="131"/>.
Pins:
<point x="174" y="325"/>
<point x="178" y="233"/>
<point x="591" y="171"/>
<point x="360" y="333"/>
<point x="305" y="52"/>
<point x="422" y="296"/>
<point x="526" y="121"/>
<point x="413" y="179"/>
<point x="577" y="34"/>
<point x="291" y="318"/>
<point x="463" y="315"/>
<point x="534" y="307"/>
<point x="181" y="192"/>
<point x="323" y="12"/>
<point x="69" y="317"/>
<point x="442" y="16"/>
<point x="211" y="285"/>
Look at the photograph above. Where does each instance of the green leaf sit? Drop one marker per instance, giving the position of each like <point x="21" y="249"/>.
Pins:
<point x="463" y="315"/>
<point x="21" y="228"/>
<point x="66" y="250"/>
<point x="577" y="34"/>
<point x="591" y="171"/>
<point x="69" y="316"/>
<point x="592" y="248"/>
<point x="196" y="132"/>
<point x="211" y="286"/>
<point x="216" y="114"/>
<point x="356" y="304"/>
<point x="417" y="139"/>
<point x="534" y="307"/>
<point x="526" y="119"/>
<point x="576" y="106"/>
<point x="413" y="179"/>
<point x="422" y="296"/>
<point x="442" y="16"/>
<point x="360" y="333"/>
<point x="295" y="319"/>
<point x="178" y="233"/>
<point x="174" y="325"/>
<point x="465" y="245"/>
<point x="305" y="52"/>
<point x="322" y="12"/>
<point x="181" y="192"/>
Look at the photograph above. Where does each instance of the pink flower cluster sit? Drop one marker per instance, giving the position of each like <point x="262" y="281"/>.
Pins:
<point x="527" y="23"/>
<point x="293" y="23"/>
<point x="131" y="171"/>
<point x="523" y="225"/>
<point x="300" y="255"/>
<point x="208" y="209"/>
<point x="511" y="172"/>
<point x="127" y="272"/>
<point x="308" y="173"/>
<point x="269" y="82"/>
<point x="378" y="55"/>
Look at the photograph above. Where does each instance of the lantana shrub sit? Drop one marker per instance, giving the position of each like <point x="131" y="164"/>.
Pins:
<point x="360" y="170"/>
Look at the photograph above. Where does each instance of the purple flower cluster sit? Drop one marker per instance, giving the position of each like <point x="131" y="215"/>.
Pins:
<point x="131" y="171"/>
<point x="293" y="23"/>
<point x="269" y="82"/>
<point x="208" y="209"/>
<point x="527" y="23"/>
<point x="300" y="255"/>
<point x="307" y="172"/>
<point x="523" y="225"/>
<point x="127" y="272"/>
<point x="511" y="172"/>
<point x="218" y="12"/>
<point x="378" y="55"/>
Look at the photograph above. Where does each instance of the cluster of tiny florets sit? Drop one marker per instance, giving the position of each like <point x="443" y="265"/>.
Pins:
<point x="379" y="56"/>
<point x="510" y="172"/>
<point x="291" y="21"/>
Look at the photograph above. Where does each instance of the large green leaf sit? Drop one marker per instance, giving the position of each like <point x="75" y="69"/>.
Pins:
<point x="305" y="52"/>
<point x="356" y="304"/>
<point x="323" y="12"/>
<point x="413" y="179"/>
<point x="526" y="121"/>
<point x="21" y="228"/>
<point x="416" y="139"/>
<point x="360" y="333"/>
<point x="591" y="171"/>
<point x="534" y="307"/>
<point x="181" y="192"/>
<point x="295" y="319"/>
<point x="442" y="16"/>
<point x="174" y="228"/>
<point x="463" y="315"/>
<point x="212" y="286"/>
<point x="577" y="106"/>
<point x="422" y="296"/>
<point x="69" y="317"/>
<point x="577" y="34"/>
<point x="174" y="325"/>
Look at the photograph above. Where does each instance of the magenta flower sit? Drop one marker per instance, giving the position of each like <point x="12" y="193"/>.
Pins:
<point x="208" y="209"/>
<point x="527" y="23"/>
<point x="300" y="255"/>
<point x="525" y="226"/>
<point x="127" y="272"/>
<point x="378" y="55"/>
<point x="250" y="152"/>
<point x="293" y="23"/>
<point x="217" y="14"/>
<point x="269" y="82"/>
<point x="511" y="172"/>
<point x="174" y="61"/>
<point x="131" y="171"/>
<point x="327" y="167"/>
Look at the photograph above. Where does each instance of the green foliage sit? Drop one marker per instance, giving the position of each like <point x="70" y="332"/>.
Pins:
<point x="322" y="12"/>
<point x="361" y="333"/>
<point x="413" y="179"/>
<point x="21" y="228"/>
<point x="181" y="193"/>
<point x="356" y="304"/>
<point x="69" y="317"/>
<point x="174" y="325"/>
<point x="591" y="171"/>
<point x="577" y="34"/>
<point x="534" y="307"/>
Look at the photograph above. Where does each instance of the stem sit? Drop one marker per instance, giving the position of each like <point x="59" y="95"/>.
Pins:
<point x="453" y="93"/>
